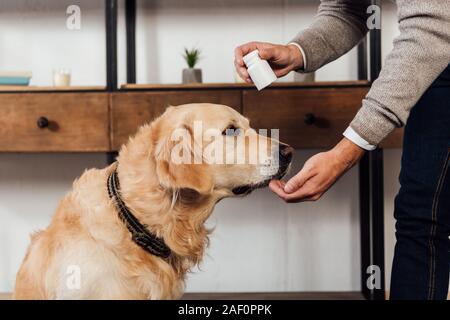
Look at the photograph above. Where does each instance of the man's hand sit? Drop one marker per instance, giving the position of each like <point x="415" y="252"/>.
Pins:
<point x="282" y="58"/>
<point x="319" y="173"/>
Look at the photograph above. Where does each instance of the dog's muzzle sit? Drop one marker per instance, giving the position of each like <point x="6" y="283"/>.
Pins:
<point x="285" y="158"/>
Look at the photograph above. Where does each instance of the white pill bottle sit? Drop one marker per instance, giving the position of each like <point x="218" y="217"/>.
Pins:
<point x="259" y="70"/>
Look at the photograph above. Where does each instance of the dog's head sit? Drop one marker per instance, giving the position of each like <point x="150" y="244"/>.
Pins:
<point x="175" y="169"/>
<point x="212" y="150"/>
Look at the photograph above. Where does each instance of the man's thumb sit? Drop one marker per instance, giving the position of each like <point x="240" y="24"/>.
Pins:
<point x="295" y="183"/>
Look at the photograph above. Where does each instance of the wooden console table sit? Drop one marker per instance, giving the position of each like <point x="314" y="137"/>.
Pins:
<point x="91" y="120"/>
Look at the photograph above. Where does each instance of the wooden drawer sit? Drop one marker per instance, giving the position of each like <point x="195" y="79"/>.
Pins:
<point x="129" y="110"/>
<point x="332" y="110"/>
<point x="77" y="122"/>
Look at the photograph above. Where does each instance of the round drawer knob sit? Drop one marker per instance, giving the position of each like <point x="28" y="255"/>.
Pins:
<point x="310" y="118"/>
<point x="42" y="122"/>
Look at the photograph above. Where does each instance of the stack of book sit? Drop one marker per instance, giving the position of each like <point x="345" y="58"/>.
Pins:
<point x="15" y="78"/>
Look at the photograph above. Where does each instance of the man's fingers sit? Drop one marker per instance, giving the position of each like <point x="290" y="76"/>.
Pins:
<point x="297" y="181"/>
<point x="239" y="53"/>
<point x="302" y="194"/>
<point x="277" y="183"/>
<point x="277" y="187"/>
<point x="243" y="73"/>
<point x="242" y="50"/>
<point x="266" y="51"/>
<point x="305" y="193"/>
<point x="238" y="56"/>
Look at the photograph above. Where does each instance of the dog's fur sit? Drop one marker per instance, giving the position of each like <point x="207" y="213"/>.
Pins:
<point x="173" y="201"/>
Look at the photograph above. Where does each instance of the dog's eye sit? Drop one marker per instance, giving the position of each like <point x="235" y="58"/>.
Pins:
<point x="231" y="131"/>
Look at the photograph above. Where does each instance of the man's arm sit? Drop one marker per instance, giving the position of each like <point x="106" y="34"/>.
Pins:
<point x="337" y="28"/>
<point x="421" y="52"/>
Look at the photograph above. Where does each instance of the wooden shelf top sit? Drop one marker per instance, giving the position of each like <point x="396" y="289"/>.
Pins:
<point x="200" y="86"/>
<point x="19" y="89"/>
<point x="176" y="86"/>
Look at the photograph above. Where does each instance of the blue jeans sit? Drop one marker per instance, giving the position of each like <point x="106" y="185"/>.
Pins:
<point x="422" y="207"/>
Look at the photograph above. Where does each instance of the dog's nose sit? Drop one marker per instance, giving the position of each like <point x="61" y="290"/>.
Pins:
<point x="285" y="153"/>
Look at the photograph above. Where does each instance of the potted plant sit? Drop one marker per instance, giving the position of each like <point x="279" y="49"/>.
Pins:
<point x="191" y="74"/>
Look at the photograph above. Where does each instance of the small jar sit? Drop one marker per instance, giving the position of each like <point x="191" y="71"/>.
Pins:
<point x="61" y="77"/>
<point x="259" y="70"/>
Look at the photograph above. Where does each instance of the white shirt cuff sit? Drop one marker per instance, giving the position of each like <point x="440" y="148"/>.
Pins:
<point x="301" y="51"/>
<point x="354" y="137"/>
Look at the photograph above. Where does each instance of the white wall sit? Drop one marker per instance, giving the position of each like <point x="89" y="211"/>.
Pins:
<point x="33" y="36"/>
<point x="217" y="27"/>
<point x="260" y="243"/>
<point x="31" y="185"/>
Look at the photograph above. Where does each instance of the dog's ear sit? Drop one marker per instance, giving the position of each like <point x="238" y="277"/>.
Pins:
<point x="177" y="164"/>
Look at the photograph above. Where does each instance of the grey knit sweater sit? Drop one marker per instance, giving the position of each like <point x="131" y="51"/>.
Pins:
<point x="421" y="52"/>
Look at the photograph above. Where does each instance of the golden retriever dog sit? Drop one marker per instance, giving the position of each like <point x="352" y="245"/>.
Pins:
<point x="90" y="252"/>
